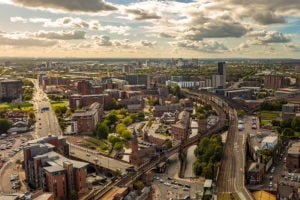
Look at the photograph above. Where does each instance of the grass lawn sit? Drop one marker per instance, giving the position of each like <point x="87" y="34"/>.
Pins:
<point x="96" y="144"/>
<point x="26" y="106"/>
<point x="269" y="115"/>
<point x="56" y="104"/>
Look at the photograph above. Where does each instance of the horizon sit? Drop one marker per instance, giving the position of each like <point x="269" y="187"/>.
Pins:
<point x="150" y="29"/>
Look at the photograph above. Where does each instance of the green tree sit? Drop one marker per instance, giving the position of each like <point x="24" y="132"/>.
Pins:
<point x="127" y="120"/>
<point x="288" y="132"/>
<point x="102" y="130"/>
<point x="118" y="146"/>
<point x="126" y="134"/>
<point x="138" y="185"/>
<point x="296" y="123"/>
<point x="4" y="125"/>
<point x="120" y="128"/>
<point x="197" y="168"/>
<point x="113" y="139"/>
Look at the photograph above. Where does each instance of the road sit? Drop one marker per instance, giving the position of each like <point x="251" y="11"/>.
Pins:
<point x="231" y="178"/>
<point x="46" y="120"/>
<point x="98" y="159"/>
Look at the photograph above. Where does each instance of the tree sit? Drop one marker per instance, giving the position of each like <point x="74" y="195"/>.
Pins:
<point x="118" y="146"/>
<point x="4" y="125"/>
<point x="113" y="139"/>
<point x="197" y="168"/>
<point x="138" y="185"/>
<point x="288" y="132"/>
<point x="120" y="128"/>
<point x="102" y="130"/>
<point x="296" y="123"/>
<point x="126" y="134"/>
<point x="127" y="120"/>
<point x="112" y="118"/>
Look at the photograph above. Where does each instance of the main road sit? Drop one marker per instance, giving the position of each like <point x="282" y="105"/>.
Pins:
<point x="46" y="121"/>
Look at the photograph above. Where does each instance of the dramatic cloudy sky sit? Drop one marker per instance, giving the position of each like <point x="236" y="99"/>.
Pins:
<point x="161" y="28"/>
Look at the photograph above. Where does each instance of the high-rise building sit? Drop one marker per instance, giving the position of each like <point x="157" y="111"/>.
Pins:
<point x="138" y="79"/>
<point x="222" y="73"/>
<point x="275" y="81"/>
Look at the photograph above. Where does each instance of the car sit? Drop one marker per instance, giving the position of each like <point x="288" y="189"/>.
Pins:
<point x="186" y="189"/>
<point x="170" y="178"/>
<point x="271" y="184"/>
<point x="160" y="180"/>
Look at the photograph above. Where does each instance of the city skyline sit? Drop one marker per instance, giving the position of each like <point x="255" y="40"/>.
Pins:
<point x="150" y="29"/>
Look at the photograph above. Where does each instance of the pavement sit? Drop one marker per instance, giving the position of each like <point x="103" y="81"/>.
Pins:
<point x="164" y="189"/>
<point x="46" y="120"/>
<point x="94" y="157"/>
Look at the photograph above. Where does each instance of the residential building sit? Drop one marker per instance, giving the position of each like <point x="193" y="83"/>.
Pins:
<point x="275" y="81"/>
<point x="180" y="129"/>
<point x="293" y="157"/>
<point x="10" y="89"/>
<point x="85" y="121"/>
<point x="80" y="101"/>
<point x="241" y="93"/>
<point x="158" y="111"/>
<point x="51" y="171"/>
<point x="138" y="79"/>
<point x="255" y="173"/>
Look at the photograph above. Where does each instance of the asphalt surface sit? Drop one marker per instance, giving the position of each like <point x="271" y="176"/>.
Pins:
<point x="46" y="120"/>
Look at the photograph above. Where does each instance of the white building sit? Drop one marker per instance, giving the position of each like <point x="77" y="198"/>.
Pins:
<point x="269" y="142"/>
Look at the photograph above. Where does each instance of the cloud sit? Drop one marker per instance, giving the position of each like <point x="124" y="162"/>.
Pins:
<point x="18" y="19"/>
<point x="292" y="47"/>
<point x="102" y="40"/>
<point x="271" y="37"/>
<point x="92" y="6"/>
<point x="241" y="47"/>
<point x="61" y="35"/>
<point x="140" y="14"/>
<point x="165" y="35"/>
<point x="215" y="28"/>
<point x="266" y="18"/>
<point x="147" y="43"/>
<point x="209" y="46"/>
<point x="23" y="41"/>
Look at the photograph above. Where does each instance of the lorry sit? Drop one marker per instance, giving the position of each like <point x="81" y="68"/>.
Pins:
<point x="45" y="108"/>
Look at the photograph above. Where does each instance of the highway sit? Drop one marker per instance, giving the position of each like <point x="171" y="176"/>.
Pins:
<point x="46" y="120"/>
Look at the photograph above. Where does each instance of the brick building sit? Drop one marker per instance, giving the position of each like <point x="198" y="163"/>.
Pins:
<point x="51" y="171"/>
<point x="158" y="111"/>
<point x="80" y="101"/>
<point x="275" y="81"/>
<point x="85" y="121"/>
<point x="293" y="157"/>
<point x="255" y="173"/>
<point x="180" y="129"/>
<point x="10" y="89"/>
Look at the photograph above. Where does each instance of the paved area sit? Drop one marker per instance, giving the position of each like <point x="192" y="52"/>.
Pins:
<point x="191" y="158"/>
<point x="46" y="120"/>
<point x="98" y="159"/>
<point x="171" y="186"/>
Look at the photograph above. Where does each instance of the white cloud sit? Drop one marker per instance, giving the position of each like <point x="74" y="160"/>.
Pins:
<point x="210" y="46"/>
<point x="61" y="35"/>
<point x="92" y="6"/>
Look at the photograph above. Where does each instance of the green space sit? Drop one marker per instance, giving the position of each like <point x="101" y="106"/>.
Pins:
<point x="96" y="144"/>
<point x="25" y="106"/>
<point x="114" y="127"/>
<point x="56" y="104"/>
<point x="268" y="116"/>
<point x="209" y="154"/>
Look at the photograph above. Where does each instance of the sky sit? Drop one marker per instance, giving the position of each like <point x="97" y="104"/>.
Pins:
<point x="150" y="29"/>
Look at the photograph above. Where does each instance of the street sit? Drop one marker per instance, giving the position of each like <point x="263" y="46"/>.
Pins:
<point x="46" y="120"/>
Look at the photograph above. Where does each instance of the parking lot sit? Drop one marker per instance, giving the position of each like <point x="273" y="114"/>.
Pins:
<point x="170" y="186"/>
<point x="11" y="145"/>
